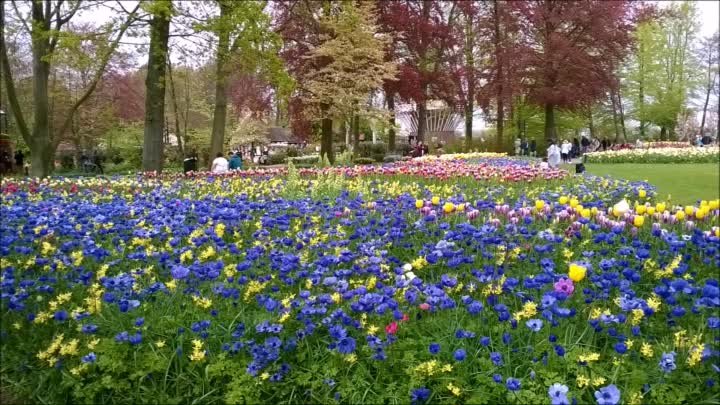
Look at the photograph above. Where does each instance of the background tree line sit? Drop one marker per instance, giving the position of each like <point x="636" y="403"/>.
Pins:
<point x="215" y="73"/>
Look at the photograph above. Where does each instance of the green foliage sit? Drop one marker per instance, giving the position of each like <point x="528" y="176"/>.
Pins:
<point x="344" y="158"/>
<point x="277" y="158"/>
<point x="376" y="151"/>
<point x="364" y="161"/>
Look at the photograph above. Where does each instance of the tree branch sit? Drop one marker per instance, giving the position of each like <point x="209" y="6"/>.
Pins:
<point x="20" y="17"/>
<point x="9" y="85"/>
<point x="98" y="75"/>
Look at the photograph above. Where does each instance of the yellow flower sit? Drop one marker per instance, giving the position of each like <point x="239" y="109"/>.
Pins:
<point x="689" y="209"/>
<point x="582" y="381"/>
<point x="695" y="355"/>
<point x="435" y="200"/>
<point x="577" y="272"/>
<point x="419" y="203"/>
<point x="539" y="204"/>
<point x="642" y="193"/>
<point x="639" y="220"/>
<point x="646" y="350"/>
<point x="588" y="358"/>
<point x="351" y="358"/>
<point x="160" y="344"/>
<point x="448" y="207"/>
<point x="372" y="329"/>
<point x="598" y="381"/>
<point x="650" y="210"/>
<point x="264" y="376"/>
<point x="660" y="207"/>
<point x="563" y="200"/>
<point x="680" y="215"/>
<point x="636" y="399"/>
<point x="455" y="390"/>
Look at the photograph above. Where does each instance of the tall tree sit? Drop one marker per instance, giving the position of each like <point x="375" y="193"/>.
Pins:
<point x="153" y="155"/>
<point x="571" y="49"/>
<point x="47" y="28"/>
<point x="355" y="68"/>
<point x="708" y="55"/>
<point x="245" y="44"/>
<point x="423" y="29"/>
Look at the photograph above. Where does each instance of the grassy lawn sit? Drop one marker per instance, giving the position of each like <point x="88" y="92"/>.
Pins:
<point x="686" y="183"/>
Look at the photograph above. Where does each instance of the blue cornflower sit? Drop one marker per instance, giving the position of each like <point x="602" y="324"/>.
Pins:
<point x="136" y="339"/>
<point x="89" y="358"/>
<point x="419" y="395"/>
<point x="434" y="348"/>
<point x="346" y="345"/>
<point x="621" y="347"/>
<point x="512" y="384"/>
<point x="89" y="329"/>
<point x="506" y="338"/>
<point x="485" y="341"/>
<point x="496" y="358"/>
<point x="559" y="350"/>
<point x="460" y="354"/>
<point x="713" y="322"/>
<point x="122" y="337"/>
<point x="179" y="272"/>
<point x="609" y="395"/>
<point x="534" y="324"/>
<point x="497" y="378"/>
<point x="558" y="394"/>
<point x="667" y="362"/>
<point x="139" y="322"/>
<point x="61" y="316"/>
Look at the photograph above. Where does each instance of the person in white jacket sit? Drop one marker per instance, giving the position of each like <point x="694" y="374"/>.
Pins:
<point x="565" y="151"/>
<point x="553" y="155"/>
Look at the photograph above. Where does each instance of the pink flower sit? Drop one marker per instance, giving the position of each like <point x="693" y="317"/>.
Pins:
<point x="564" y="286"/>
<point x="424" y="306"/>
<point x="392" y="328"/>
<point x="405" y="318"/>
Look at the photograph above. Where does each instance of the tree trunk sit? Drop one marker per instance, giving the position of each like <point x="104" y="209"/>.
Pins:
<point x="422" y="121"/>
<point x="217" y="140"/>
<point x="391" y="132"/>
<point x="176" y="113"/>
<point x="707" y="99"/>
<point x="615" y="116"/>
<point x="550" y="132"/>
<point x="40" y="146"/>
<point x="591" y="124"/>
<point x="663" y="133"/>
<point x="468" y="123"/>
<point x="155" y="90"/>
<point x="326" y="137"/>
<point x="470" y="69"/>
<point x="356" y="131"/>
<point x="621" y="110"/>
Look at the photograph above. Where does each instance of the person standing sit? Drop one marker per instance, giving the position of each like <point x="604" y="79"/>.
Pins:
<point x="553" y="155"/>
<point x="235" y="161"/>
<point x="517" y="146"/>
<point x="533" y="147"/>
<point x="97" y="160"/>
<point x="19" y="160"/>
<point x="220" y="164"/>
<point x="190" y="162"/>
<point x="565" y="151"/>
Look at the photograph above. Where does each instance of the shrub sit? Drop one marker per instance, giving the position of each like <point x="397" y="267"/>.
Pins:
<point x="392" y="158"/>
<point x="403" y="149"/>
<point x="309" y="159"/>
<point x="364" y="161"/>
<point x="376" y="151"/>
<point x="277" y="158"/>
<point x="293" y="152"/>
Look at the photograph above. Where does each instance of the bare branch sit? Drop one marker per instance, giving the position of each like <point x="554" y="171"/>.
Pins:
<point x="10" y="85"/>
<point x="20" y="17"/>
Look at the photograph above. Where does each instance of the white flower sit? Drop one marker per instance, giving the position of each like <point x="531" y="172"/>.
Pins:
<point x="407" y="267"/>
<point x="621" y="207"/>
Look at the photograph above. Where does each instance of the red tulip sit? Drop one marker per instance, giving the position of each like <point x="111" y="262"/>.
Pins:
<point x="392" y="328"/>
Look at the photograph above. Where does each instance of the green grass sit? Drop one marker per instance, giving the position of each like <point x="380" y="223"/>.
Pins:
<point x="686" y="183"/>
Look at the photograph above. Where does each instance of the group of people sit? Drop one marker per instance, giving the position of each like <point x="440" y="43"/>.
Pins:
<point x="20" y="164"/>
<point x="223" y="165"/>
<point x="418" y="149"/>
<point x="567" y="151"/>
<point x="525" y="148"/>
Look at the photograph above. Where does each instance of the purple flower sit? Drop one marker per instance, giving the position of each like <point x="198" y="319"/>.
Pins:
<point x="512" y="384"/>
<point x="89" y="358"/>
<point x="534" y="325"/>
<point x="667" y="362"/>
<point x="609" y="395"/>
<point x="558" y="394"/>
<point x="179" y="272"/>
<point x="419" y="395"/>
<point x="460" y="354"/>
<point x="496" y="358"/>
<point x="434" y="348"/>
<point x="346" y="345"/>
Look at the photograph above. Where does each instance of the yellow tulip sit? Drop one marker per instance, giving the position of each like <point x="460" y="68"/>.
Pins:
<point x="419" y="203"/>
<point x="574" y="202"/>
<point x="460" y="207"/>
<point x="660" y="207"/>
<point x="563" y="200"/>
<point x="448" y="207"/>
<point x="650" y="210"/>
<point x="640" y="209"/>
<point x="680" y="215"/>
<point x="539" y="204"/>
<point x="642" y="193"/>
<point x="689" y="209"/>
<point x="435" y="200"/>
<point x="714" y="204"/>
<point x="639" y="220"/>
<point x="700" y="214"/>
<point x="585" y="213"/>
<point x="594" y="210"/>
<point x="577" y="272"/>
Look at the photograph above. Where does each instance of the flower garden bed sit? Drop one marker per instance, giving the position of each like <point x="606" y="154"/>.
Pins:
<point x="666" y="154"/>
<point x="386" y="284"/>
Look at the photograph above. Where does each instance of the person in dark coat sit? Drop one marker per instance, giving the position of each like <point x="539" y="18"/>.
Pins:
<point x="19" y="160"/>
<point x="533" y="147"/>
<point x="190" y="162"/>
